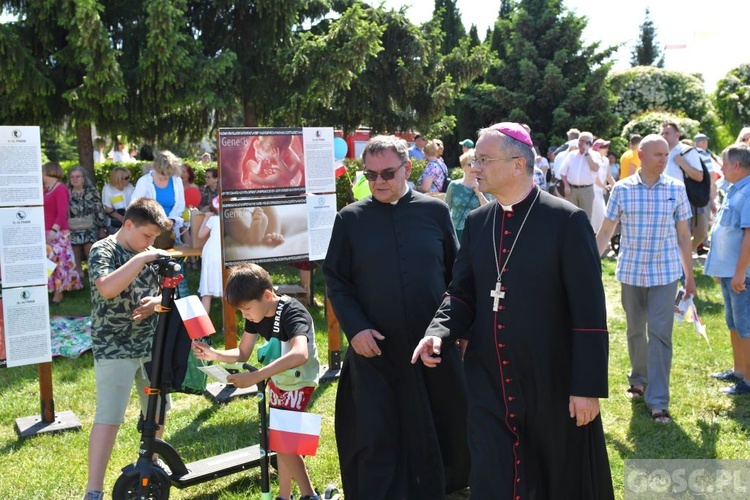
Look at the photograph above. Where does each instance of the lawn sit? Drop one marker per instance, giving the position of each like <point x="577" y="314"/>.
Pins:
<point x="707" y="423"/>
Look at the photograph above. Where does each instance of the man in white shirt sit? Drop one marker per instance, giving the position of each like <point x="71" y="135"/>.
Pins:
<point x="685" y="161"/>
<point x="579" y="172"/>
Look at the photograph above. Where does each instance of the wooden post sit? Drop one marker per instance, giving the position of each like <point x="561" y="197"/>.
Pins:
<point x="48" y="422"/>
<point x="334" y="344"/>
<point x="45" y="393"/>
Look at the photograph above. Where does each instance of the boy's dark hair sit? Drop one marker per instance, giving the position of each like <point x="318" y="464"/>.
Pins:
<point x="247" y="282"/>
<point x="144" y="211"/>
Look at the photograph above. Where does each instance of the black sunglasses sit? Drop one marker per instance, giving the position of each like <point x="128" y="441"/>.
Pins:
<point x="387" y="175"/>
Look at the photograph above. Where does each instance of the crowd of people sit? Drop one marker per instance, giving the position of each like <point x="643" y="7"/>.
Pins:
<point x="77" y="215"/>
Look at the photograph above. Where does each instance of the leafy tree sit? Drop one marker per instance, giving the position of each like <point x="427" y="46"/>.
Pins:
<point x="649" y="122"/>
<point x="544" y="76"/>
<point x="322" y="62"/>
<point x="260" y="33"/>
<point x="132" y="66"/>
<point x="57" y="66"/>
<point x="646" y="51"/>
<point x="449" y="19"/>
<point x="409" y="84"/>
<point x="732" y="98"/>
<point x="171" y="81"/>
<point x="645" y="88"/>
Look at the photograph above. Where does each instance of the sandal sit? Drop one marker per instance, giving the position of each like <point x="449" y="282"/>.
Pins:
<point x="661" y="416"/>
<point x="634" y="392"/>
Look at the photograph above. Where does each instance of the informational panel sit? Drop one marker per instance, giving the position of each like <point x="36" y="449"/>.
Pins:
<point x="24" y="321"/>
<point x="23" y="250"/>
<point x="26" y="325"/>
<point x="20" y="166"/>
<point x="276" y="186"/>
<point x="321" y="213"/>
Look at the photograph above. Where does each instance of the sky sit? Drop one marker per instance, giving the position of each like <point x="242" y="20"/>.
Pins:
<point x="707" y="36"/>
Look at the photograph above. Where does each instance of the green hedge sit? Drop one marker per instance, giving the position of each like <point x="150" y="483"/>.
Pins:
<point x="102" y="170"/>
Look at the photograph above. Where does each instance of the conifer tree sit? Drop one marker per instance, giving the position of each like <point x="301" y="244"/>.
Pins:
<point x="545" y="76"/>
<point x="449" y="19"/>
<point x="646" y="51"/>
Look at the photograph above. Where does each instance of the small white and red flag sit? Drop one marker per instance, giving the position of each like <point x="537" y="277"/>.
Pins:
<point x="294" y="432"/>
<point x="340" y="169"/>
<point x="195" y="317"/>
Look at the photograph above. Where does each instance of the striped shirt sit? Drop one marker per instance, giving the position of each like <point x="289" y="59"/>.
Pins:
<point x="649" y="253"/>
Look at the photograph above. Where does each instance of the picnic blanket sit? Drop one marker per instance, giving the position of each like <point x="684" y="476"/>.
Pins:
<point x="71" y="335"/>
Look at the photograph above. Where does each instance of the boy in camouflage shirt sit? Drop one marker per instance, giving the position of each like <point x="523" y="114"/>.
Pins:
<point x="124" y="294"/>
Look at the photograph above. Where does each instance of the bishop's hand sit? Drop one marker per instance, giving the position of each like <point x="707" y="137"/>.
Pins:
<point x="584" y="410"/>
<point x="364" y="343"/>
<point x="428" y="350"/>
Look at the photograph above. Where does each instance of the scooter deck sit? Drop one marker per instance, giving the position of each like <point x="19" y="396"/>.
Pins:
<point x="219" y="466"/>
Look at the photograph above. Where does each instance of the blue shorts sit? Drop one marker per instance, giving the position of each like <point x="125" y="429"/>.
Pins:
<point x="737" y="307"/>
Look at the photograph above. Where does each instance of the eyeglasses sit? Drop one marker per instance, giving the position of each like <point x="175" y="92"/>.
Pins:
<point x="387" y="175"/>
<point x="482" y="162"/>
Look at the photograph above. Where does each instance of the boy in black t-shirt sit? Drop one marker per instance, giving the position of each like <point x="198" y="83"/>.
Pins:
<point x="293" y="375"/>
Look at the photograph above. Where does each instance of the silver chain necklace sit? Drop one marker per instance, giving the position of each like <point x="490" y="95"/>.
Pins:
<point x="497" y="293"/>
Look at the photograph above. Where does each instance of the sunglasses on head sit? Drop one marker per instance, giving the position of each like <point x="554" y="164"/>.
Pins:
<point x="387" y="174"/>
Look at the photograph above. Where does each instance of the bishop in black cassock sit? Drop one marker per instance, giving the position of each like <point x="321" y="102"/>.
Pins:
<point x="528" y="277"/>
<point x="400" y="427"/>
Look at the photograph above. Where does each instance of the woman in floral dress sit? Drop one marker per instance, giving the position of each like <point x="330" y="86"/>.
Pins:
<point x="85" y="215"/>
<point x="57" y="234"/>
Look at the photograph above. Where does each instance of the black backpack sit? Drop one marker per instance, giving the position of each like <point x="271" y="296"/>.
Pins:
<point x="699" y="193"/>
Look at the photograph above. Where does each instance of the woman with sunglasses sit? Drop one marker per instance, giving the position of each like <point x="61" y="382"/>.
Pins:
<point x="116" y="196"/>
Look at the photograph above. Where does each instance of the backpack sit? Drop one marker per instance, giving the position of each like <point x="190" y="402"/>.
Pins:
<point x="698" y="193"/>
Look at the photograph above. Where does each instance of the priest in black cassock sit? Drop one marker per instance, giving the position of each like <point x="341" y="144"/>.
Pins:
<point x="528" y="277"/>
<point x="400" y="427"/>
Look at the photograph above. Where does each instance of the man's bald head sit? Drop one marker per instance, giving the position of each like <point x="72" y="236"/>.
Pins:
<point x="654" y="153"/>
<point x="652" y="139"/>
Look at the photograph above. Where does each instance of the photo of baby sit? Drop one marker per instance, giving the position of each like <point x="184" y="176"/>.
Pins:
<point x="267" y="233"/>
<point x="273" y="161"/>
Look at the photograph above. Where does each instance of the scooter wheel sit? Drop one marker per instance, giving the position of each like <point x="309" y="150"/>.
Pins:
<point x="331" y="493"/>
<point x="127" y="485"/>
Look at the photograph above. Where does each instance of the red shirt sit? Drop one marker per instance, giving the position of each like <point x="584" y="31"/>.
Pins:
<point x="56" y="207"/>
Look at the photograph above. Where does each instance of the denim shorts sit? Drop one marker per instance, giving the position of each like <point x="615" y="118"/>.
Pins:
<point x="737" y="307"/>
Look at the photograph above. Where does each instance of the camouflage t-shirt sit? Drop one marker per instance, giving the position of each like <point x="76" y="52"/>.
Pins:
<point x="115" y="334"/>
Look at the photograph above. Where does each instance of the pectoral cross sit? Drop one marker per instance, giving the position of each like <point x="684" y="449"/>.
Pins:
<point x="497" y="294"/>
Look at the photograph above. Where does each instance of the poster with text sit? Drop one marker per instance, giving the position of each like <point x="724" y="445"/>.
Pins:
<point x="321" y="214"/>
<point x="20" y="166"/>
<point x="23" y="249"/>
<point x="265" y="230"/>
<point x="269" y="162"/>
<point x="26" y="326"/>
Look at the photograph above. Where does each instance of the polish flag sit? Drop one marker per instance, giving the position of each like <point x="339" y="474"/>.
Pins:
<point x="194" y="315"/>
<point x="340" y="169"/>
<point x="294" y="432"/>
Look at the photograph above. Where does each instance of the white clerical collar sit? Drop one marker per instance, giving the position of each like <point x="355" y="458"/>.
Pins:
<point x="403" y="193"/>
<point x="509" y="208"/>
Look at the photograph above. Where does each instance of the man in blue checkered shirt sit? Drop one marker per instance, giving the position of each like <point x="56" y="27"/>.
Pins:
<point x="655" y="249"/>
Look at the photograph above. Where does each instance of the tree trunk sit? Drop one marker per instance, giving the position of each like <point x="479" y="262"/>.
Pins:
<point x="86" y="149"/>
<point x="248" y="111"/>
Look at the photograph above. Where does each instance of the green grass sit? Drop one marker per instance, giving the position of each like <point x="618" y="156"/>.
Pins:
<point x="707" y="423"/>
